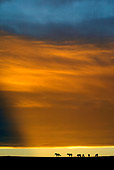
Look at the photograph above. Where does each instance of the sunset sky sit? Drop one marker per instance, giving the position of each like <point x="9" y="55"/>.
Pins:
<point x="56" y="75"/>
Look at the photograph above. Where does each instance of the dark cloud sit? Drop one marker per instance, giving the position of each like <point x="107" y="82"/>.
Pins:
<point x="9" y="135"/>
<point x="58" y="20"/>
<point x="88" y="31"/>
<point x="3" y="1"/>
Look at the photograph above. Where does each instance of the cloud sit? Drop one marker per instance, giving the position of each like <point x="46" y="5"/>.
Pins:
<point x="9" y="135"/>
<point x="57" y="88"/>
<point x="59" y="95"/>
<point x="58" y="20"/>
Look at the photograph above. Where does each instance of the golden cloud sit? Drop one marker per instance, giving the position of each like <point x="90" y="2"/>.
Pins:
<point x="61" y="95"/>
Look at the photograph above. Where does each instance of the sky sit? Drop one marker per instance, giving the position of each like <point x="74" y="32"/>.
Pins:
<point x="56" y="74"/>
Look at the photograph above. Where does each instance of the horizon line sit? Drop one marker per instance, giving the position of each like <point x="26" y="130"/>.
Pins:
<point x="55" y="147"/>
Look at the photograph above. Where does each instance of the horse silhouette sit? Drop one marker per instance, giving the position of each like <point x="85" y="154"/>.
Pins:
<point x="69" y="154"/>
<point x="96" y="155"/>
<point x="58" y="154"/>
<point x="79" y="155"/>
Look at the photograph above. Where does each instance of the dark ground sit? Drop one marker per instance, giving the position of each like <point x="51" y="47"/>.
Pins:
<point x="57" y="162"/>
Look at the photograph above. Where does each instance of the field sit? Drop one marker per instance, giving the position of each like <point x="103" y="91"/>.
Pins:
<point x="55" y="162"/>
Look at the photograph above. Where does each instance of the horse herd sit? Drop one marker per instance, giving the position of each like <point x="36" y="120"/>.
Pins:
<point x="78" y="155"/>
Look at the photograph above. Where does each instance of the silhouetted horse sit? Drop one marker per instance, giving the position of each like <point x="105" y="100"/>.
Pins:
<point x="79" y="155"/>
<point x="96" y="155"/>
<point x="69" y="154"/>
<point x="58" y="154"/>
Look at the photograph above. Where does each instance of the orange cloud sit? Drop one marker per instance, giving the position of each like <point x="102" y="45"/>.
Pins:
<point x="61" y="95"/>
